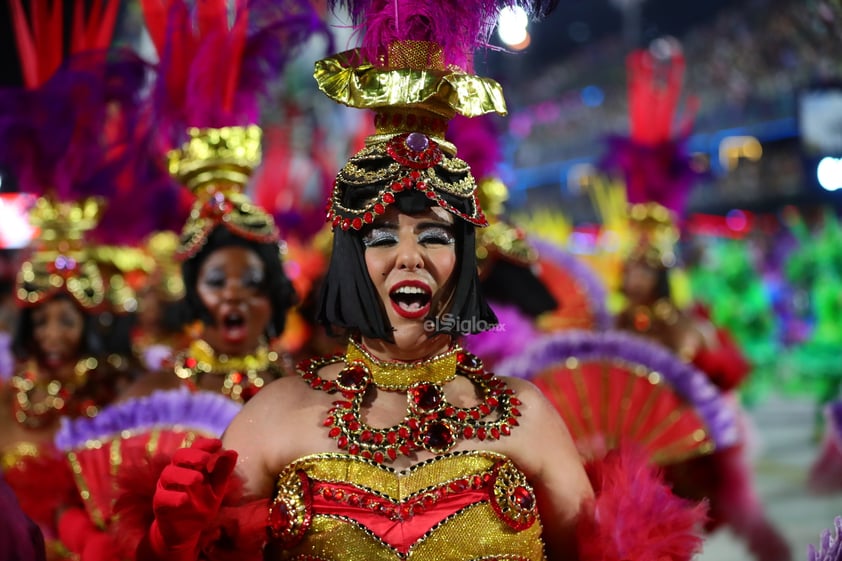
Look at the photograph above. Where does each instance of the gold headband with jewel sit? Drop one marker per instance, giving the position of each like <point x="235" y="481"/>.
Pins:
<point x="215" y="164"/>
<point x="414" y="96"/>
<point x="60" y="263"/>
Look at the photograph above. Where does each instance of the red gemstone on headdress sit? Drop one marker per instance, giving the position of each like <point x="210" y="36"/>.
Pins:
<point x="357" y="223"/>
<point x="190" y="362"/>
<point x="336" y="221"/>
<point x="353" y="377"/>
<point x="430" y="194"/>
<point x="523" y="497"/>
<point x="438" y="436"/>
<point x="379" y="208"/>
<point x="346" y="223"/>
<point x="368" y="218"/>
<point x="425" y="396"/>
<point x="417" y="142"/>
<point x="388" y="198"/>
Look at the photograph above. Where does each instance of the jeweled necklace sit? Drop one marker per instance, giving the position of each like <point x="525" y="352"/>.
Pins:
<point x="58" y="395"/>
<point x="431" y="423"/>
<point x="662" y="311"/>
<point x="244" y="375"/>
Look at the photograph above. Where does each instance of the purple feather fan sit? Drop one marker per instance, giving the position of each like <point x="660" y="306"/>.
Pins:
<point x="687" y="381"/>
<point x="830" y="547"/>
<point x="71" y="137"/>
<point x="459" y="26"/>
<point x="204" y="411"/>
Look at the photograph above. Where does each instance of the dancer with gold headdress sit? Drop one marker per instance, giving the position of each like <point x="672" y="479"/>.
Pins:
<point x="232" y="274"/>
<point x="404" y="445"/>
<point x="55" y="143"/>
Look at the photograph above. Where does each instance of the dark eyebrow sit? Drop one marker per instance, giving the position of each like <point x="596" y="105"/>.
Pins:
<point x="427" y="224"/>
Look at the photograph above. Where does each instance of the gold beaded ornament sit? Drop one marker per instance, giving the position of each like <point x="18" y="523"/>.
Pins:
<point x="413" y="99"/>
<point x="215" y="164"/>
<point x="60" y="261"/>
<point x="244" y="376"/>
<point x="431" y="422"/>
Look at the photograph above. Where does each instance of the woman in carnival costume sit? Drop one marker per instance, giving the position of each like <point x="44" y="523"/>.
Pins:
<point x="55" y="143"/>
<point x="404" y="446"/>
<point x="658" y="177"/>
<point x="230" y="249"/>
<point x="232" y="272"/>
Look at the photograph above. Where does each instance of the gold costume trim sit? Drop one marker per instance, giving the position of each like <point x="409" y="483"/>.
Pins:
<point x="473" y="532"/>
<point x="224" y="155"/>
<point x="243" y="375"/>
<point x="400" y="376"/>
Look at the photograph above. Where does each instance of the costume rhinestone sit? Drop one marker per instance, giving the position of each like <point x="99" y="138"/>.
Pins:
<point x="426" y="396"/>
<point x="417" y="141"/>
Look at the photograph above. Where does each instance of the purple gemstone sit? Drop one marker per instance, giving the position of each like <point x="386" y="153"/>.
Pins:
<point x="63" y="263"/>
<point x="417" y="142"/>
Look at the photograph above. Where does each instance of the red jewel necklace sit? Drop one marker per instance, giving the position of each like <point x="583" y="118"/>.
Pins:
<point x="431" y="423"/>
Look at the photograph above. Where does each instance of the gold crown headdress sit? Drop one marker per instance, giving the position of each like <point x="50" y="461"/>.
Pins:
<point x="60" y="262"/>
<point x="61" y="140"/>
<point x="642" y="231"/>
<point x="218" y="109"/>
<point x="414" y="70"/>
<point x="215" y="164"/>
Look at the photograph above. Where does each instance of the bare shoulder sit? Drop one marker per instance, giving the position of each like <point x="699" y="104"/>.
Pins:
<point x="534" y="401"/>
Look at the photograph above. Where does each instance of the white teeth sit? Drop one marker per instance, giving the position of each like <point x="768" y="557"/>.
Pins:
<point x="410" y="290"/>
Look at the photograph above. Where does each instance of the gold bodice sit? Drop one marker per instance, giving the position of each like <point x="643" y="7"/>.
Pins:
<point x="462" y="506"/>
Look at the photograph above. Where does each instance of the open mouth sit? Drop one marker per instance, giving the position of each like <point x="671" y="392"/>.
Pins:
<point x="411" y="299"/>
<point x="234" y="326"/>
<point x="53" y="359"/>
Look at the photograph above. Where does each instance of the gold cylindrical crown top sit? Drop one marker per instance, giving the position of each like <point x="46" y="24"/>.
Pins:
<point x="215" y="157"/>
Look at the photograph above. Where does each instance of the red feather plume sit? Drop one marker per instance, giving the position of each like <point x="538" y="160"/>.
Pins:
<point x="40" y="38"/>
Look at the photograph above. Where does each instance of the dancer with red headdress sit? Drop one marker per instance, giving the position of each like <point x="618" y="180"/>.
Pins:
<point x="658" y="176"/>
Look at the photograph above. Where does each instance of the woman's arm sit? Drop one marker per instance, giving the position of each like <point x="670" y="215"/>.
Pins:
<point x="545" y="451"/>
